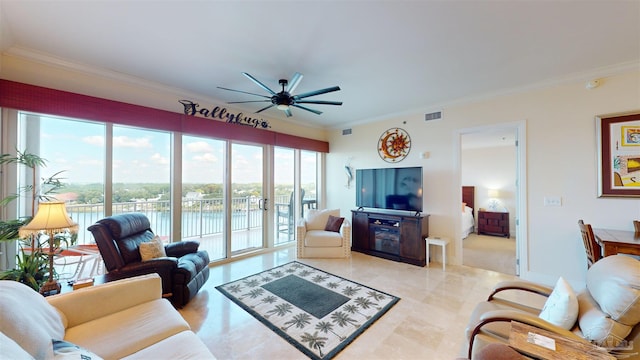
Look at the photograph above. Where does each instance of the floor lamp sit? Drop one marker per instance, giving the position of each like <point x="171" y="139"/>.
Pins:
<point x="51" y="218"/>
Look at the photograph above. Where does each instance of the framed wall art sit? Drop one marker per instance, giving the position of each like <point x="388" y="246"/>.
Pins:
<point x="618" y="138"/>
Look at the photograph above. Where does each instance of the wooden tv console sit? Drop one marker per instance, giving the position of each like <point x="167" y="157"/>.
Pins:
<point x="398" y="237"/>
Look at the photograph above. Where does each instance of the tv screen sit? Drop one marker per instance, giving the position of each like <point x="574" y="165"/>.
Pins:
<point x="390" y="188"/>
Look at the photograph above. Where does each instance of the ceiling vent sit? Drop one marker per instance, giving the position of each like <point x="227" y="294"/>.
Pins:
<point x="346" y="132"/>
<point x="433" y="116"/>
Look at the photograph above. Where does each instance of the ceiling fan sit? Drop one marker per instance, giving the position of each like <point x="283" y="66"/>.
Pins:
<point x="284" y="100"/>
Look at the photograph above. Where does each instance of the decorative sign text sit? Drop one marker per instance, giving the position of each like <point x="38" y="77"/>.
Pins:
<point x="193" y="109"/>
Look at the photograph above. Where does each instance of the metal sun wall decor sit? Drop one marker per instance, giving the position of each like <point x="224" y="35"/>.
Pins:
<point x="217" y="112"/>
<point x="394" y="145"/>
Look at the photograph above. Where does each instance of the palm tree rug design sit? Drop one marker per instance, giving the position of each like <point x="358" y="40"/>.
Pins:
<point x="317" y="312"/>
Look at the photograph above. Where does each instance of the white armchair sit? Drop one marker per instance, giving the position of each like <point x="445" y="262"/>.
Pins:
<point x="316" y="236"/>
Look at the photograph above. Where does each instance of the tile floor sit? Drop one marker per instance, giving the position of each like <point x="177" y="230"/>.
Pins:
<point x="427" y="323"/>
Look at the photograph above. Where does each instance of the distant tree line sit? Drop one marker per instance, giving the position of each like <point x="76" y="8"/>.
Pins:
<point x="127" y="192"/>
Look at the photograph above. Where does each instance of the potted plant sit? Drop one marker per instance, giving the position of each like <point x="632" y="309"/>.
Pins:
<point x="31" y="261"/>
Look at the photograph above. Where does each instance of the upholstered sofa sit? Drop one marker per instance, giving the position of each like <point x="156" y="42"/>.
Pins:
<point x="323" y="234"/>
<point x="124" y="319"/>
<point x="606" y="312"/>
<point x="183" y="268"/>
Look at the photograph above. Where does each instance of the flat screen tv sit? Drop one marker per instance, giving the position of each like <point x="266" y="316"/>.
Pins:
<point x="390" y="188"/>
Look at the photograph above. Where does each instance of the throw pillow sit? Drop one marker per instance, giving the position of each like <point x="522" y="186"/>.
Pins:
<point x="561" y="308"/>
<point x="614" y="283"/>
<point x="598" y="327"/>
<point x="152" y="249"/>
<point x="334" y="223"/>
<point x="29" y="319"/>
<point x="317" y="219"/>
<point x="66" y="350"/>
<point x="11" y="349"/>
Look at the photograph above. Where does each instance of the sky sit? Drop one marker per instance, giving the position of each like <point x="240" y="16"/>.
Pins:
<point x="143" y="156"/>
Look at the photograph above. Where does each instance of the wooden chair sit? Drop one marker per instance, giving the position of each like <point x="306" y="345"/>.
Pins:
<point x="591" y="246"/>
<point x="636" y="225"/>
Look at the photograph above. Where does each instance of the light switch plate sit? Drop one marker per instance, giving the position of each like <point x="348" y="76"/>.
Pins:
<point x="552" y="201"/>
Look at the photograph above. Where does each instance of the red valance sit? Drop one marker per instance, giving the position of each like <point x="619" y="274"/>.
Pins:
<point x="43" y="100"/>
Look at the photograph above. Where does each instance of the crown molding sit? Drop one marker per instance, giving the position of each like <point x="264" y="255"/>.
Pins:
<point x="50" y="60"/>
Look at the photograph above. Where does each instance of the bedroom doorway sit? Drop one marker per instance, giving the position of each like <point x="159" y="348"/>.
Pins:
<point x="489" y="164"/>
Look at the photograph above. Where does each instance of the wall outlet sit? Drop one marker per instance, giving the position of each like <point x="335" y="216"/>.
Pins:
<point x="552" y="201"/>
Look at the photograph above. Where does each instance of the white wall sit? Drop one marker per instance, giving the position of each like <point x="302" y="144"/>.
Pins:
<point x="561" y="161"/>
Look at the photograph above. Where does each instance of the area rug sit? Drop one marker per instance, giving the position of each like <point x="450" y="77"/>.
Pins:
<point x="317" y="312"/>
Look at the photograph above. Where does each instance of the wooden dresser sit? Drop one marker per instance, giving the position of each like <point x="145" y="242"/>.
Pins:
<point x="493" y="223"/>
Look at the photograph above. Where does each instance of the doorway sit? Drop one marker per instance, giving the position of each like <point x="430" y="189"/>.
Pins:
<point x="490" y="159"/>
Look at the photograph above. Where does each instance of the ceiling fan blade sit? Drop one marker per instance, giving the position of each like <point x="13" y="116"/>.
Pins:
<point x="259" y="83"/>
<point x="295" y="80"/>
<point x="308" y="109"/>
<point x="288" y="112"/>
<point x="319" y="102"/>
<point x="244" y="92"/>
<point x="317" y="92"/>
<point x="250" y="101"/>
<point x="265" y="108"/>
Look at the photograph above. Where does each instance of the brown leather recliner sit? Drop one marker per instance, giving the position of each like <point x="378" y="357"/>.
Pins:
<point x="183" y="271"/>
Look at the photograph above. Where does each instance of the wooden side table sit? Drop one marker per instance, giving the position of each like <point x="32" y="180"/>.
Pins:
<point x="565" y="348"/>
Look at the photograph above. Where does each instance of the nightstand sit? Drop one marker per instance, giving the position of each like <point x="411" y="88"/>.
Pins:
<point x="493" y="223"/>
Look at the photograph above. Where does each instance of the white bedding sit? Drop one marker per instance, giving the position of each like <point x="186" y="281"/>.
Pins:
<point x="468" y="222"/>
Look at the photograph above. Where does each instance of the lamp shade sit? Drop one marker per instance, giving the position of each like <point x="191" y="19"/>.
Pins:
<point x="494" y="193"/>
<point x="51" y="217"/>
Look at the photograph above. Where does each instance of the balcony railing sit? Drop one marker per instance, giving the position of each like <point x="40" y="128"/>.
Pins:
<point x="200" y="217"/>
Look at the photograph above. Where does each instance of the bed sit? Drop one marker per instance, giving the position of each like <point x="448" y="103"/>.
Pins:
<point x="468" y="206"/>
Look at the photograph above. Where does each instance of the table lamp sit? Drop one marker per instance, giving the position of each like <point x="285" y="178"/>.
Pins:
<point x="51" y="218"/>
<point x="494" y="201"/>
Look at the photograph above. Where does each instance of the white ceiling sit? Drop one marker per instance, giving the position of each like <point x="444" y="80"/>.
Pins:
<point x="389" y="57"/>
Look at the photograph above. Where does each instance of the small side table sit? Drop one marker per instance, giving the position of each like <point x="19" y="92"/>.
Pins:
<point x="440" y="242"/>
<point x="564" y="348"/>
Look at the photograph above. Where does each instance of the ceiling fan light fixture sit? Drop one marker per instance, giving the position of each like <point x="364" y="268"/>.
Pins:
<point x="283" y="100"/>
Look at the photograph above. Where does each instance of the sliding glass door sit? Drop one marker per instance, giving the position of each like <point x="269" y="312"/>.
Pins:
<point x="75" y="153"/>
<point x="308" y="180"/>
<point x="203" y="206"/>
<point x="141" y="176"/>
<point x="247" y="204"/>
<point x="284" y="195"/>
